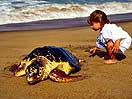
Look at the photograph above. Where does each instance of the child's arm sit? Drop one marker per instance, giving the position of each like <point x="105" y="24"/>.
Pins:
<point x="116" y="46"/>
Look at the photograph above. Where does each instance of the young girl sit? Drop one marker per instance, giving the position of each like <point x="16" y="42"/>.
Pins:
<point x="112" y="37"/>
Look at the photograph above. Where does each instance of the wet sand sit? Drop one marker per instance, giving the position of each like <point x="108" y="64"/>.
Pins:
<point x="103" y="81"/>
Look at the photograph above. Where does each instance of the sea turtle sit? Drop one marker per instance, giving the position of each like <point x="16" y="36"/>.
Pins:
<point x="51" y="62"/>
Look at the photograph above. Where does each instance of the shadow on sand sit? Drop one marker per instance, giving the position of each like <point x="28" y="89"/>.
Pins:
<point x="101" y="54"/>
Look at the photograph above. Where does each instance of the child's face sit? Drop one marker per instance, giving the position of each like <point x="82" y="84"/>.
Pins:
<point x="96" y="26"/>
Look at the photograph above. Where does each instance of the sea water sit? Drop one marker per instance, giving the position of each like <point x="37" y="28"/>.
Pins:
<point x="19" y="11"/>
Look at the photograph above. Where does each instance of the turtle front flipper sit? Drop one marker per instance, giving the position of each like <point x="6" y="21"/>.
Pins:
<point x="60" y="76"/>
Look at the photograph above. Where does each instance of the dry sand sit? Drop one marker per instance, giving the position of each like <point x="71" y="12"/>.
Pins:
<point x="103" y="82"/>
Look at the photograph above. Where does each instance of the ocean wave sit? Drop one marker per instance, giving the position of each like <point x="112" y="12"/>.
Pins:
<point x="18" y="12"/>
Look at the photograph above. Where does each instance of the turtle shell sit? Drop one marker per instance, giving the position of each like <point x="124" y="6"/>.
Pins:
<point x="57" y="54"/>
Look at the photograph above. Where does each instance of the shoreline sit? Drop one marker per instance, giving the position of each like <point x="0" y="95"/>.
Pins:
<point x="60" y="23"/>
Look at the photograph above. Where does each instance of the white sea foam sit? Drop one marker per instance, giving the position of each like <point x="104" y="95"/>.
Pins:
<point x="27" y="11"/>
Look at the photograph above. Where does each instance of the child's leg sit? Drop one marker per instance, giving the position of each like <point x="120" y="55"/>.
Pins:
<point x="109" y="48"/>
<point x="111" y="54"/>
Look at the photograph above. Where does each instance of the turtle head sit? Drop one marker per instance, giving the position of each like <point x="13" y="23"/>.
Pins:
<point x="35" y="72"/>
<point x="22" y="67"/>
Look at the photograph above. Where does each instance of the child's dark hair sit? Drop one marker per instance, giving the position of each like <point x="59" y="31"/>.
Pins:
<point x="98" y="16"/>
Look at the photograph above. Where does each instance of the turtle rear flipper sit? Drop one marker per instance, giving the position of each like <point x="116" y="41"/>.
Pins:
<point x="60" y="76"/>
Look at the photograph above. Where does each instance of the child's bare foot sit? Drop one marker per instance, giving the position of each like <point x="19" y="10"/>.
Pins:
<point x="110" y="61"/>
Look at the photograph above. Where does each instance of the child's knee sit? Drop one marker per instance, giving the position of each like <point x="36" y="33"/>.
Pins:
<point x="110" y="44"/>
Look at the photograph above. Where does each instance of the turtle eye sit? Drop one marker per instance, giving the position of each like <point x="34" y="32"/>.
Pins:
<point x="22" y="64"/>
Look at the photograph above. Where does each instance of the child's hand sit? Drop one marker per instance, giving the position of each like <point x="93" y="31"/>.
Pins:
<point x="92" y="50"/>
<point x="116" y="46"/>
<point x="115" y="49"/>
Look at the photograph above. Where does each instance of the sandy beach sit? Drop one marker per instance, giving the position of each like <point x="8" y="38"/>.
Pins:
<point x="103" y="81"/>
